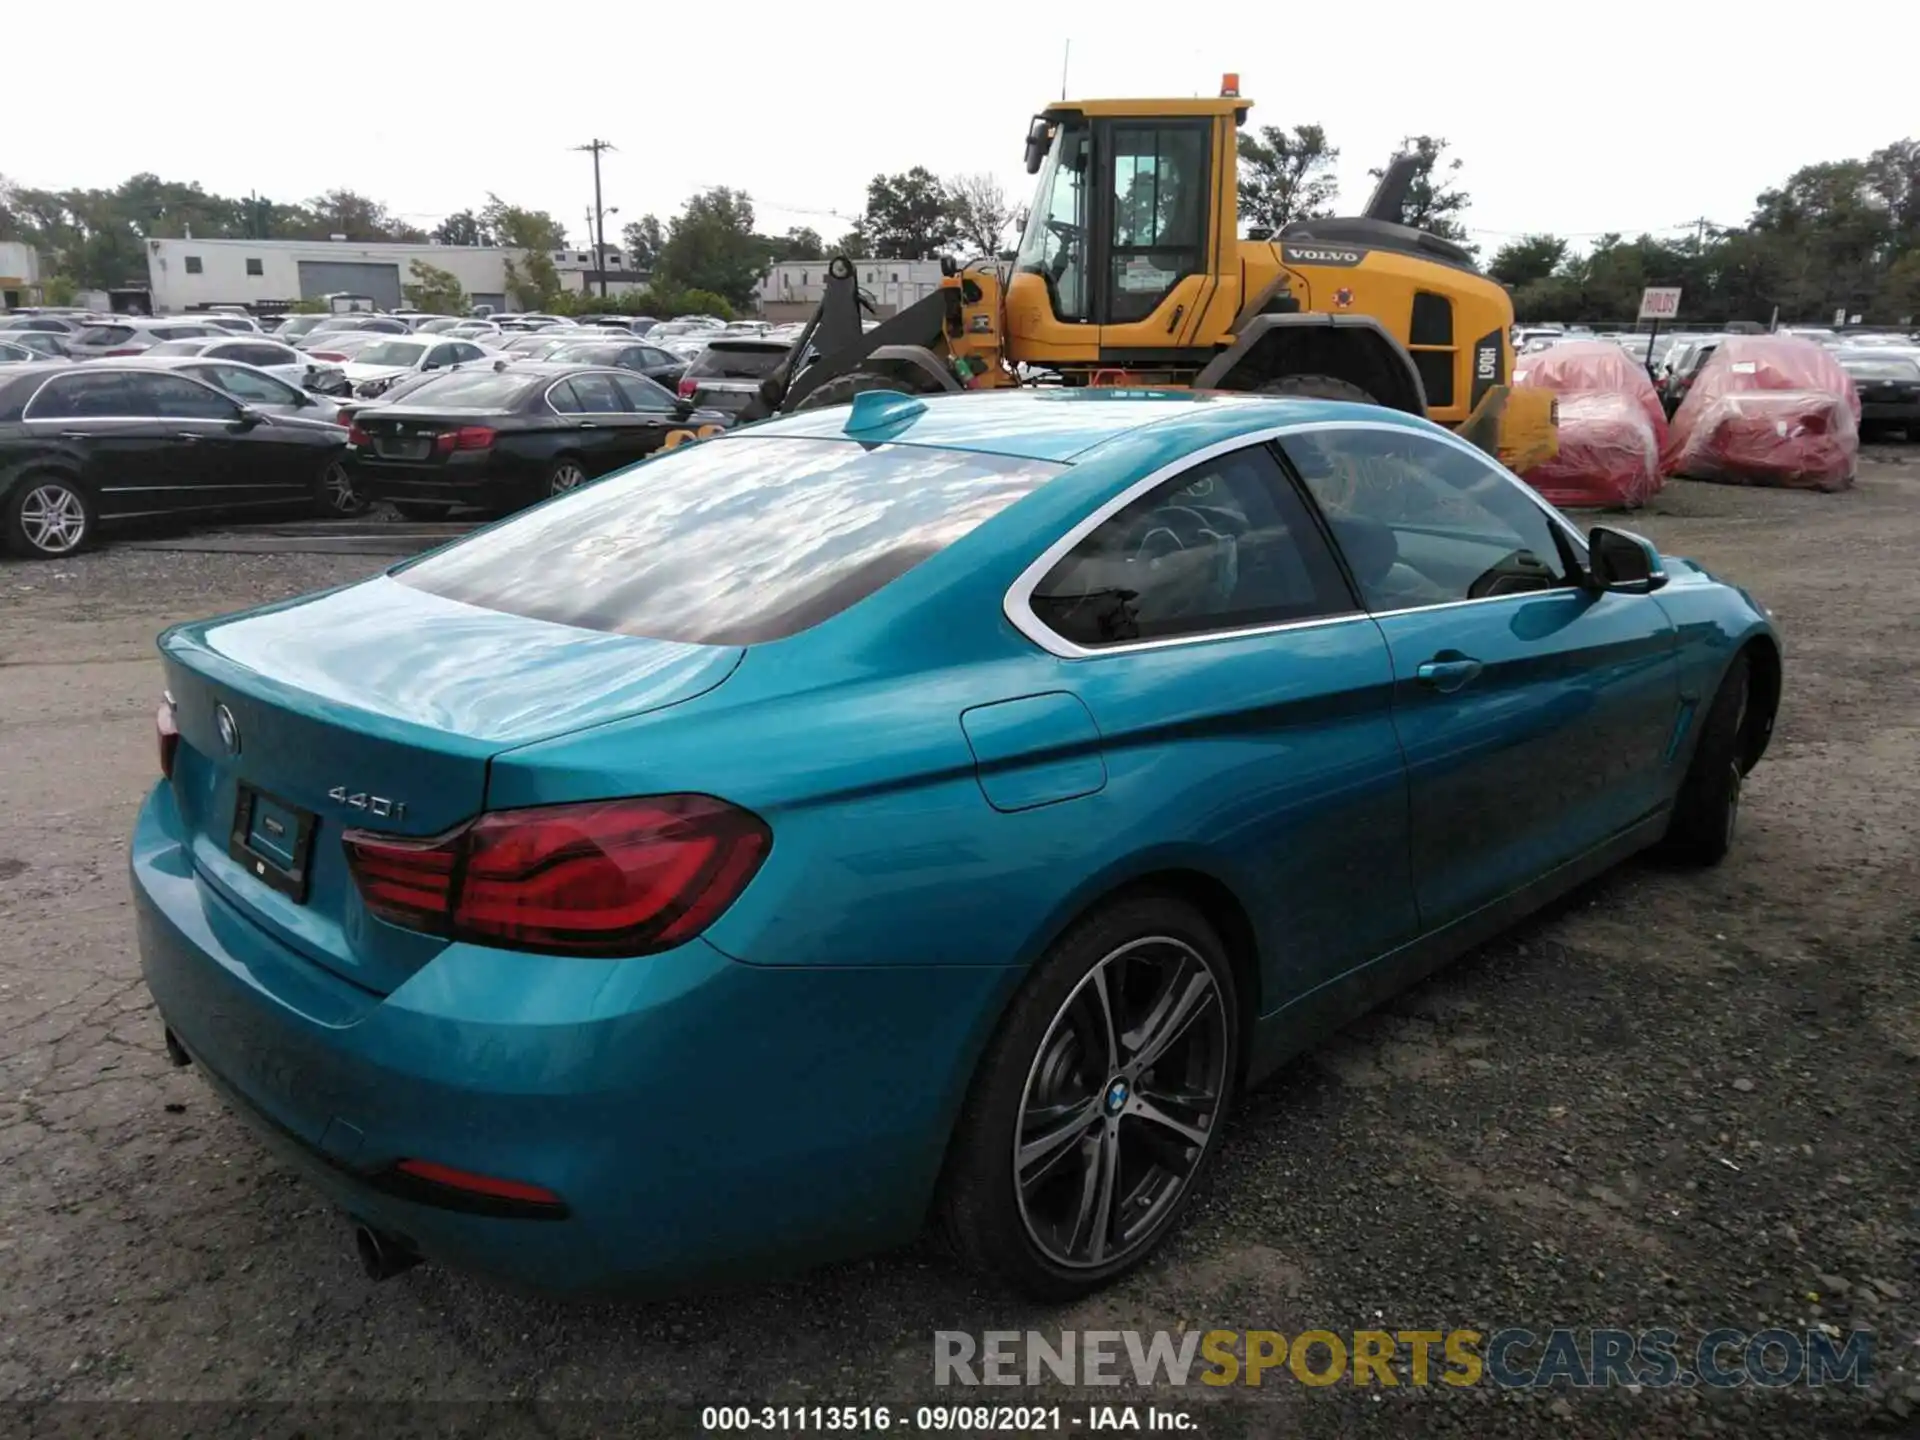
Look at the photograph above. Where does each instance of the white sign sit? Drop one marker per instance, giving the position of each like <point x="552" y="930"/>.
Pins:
<point x="1840" y="317"/>
<point x="1660" y="302"/>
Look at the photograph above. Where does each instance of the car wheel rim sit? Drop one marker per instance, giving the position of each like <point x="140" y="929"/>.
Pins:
<point x="339" y="489"/>
<point x="54" y="519"/>
<point x="566" y="477"/>
<point x="1121" y="1104"/>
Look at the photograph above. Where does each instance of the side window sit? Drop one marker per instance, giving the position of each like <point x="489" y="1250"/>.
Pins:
<point x="561" y="397"/>
<point x="439" y="357"/>
<point x="642" y="394"/>
<point x="464" y="353"/>
<point x="83" y="397"/>
<point x="177" y="399"/>
<point x="254" y="354"/>
<point x="656" y="358"/>
<point x="1422" y="521"/>
<point x="251" y="385"/>
<point x="1159" y="214"/>
<point x="1227" y="545"/>
<point x="596" y="395"/>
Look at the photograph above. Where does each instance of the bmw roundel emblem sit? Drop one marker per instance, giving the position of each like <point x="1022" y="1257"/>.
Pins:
<point x="229" y="729"/>
<point x="1117" y="1094"/>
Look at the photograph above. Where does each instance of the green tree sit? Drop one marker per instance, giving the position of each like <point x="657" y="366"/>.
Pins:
<point x="462" y="227"/>
<point x="1528" y="259"/>
<point x="1435" y="201"/>
<point x="854" y="244"/>
<point x="1286" y="175"/>
<point x="356" y="216"/>
<point x="711" y="246"/>
<point x="435" y="290"/>
<point x="909" y="216"/>
<point x="644" y="239"/>
<point x="521" y="229"/>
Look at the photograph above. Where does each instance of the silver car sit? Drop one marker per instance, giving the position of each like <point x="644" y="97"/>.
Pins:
<point x="277" y="359"/>
<point x="135" y="335"/>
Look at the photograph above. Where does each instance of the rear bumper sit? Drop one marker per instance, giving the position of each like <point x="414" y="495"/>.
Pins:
<point x="487" y="480"/>
<point x="699" y="1117"/>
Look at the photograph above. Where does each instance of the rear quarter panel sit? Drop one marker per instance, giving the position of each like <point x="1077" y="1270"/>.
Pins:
<point x="1715" y="621"/>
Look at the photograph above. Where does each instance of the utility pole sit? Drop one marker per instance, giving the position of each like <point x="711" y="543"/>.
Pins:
<point x="599" y="214"/>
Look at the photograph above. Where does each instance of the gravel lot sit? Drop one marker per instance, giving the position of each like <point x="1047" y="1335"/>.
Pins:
<point x="1681" y="1100"/>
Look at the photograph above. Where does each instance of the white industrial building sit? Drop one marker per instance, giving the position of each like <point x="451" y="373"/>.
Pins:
<point x="19" y="274"/>
<point x="193" y="274"/>
<point x="792" y="288"/>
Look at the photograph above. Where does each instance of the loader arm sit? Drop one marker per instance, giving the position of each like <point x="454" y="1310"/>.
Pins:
<point x="834" y="342"/>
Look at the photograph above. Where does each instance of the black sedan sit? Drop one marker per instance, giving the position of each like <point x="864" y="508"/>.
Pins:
<point x="84" y="446"/>
<point x="621" y="354"/>
<point x="513" y="434"/>
<point x="1889" y="384"/>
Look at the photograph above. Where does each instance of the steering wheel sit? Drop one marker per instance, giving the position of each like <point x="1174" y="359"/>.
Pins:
<point x="1183" y="525"/>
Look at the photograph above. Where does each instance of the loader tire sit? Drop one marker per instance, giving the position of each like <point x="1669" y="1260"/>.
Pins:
<point x="1315" y="387"/>
<point x="842" y="388"/>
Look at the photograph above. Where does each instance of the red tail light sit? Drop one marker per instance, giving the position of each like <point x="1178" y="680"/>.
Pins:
<point x="345" y="417"/>
<point x="357" y="436"/>
<point x="689" y="387"/>
<point x="467" y="437"/>
<point x="437" y="1174"/>
<point x="108" y="354"/>
<point x="327" y="354"/>
<point x="167" y="730"/>
<point x="608" y="877"/>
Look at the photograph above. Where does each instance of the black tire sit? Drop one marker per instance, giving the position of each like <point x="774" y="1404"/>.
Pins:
<point x="1041" y="1060"/>
<point x="1315" y="387"/>
<point x="1708" y="806"/>
<point x="842" y="388"/>
<point x="334" y="497"/>
<point x="419" y="510"/>
<point x="39" y="516"/>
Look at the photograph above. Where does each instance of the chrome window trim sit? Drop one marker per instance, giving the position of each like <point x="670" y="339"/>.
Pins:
<point x="1017" y="604"/>
<point x="547" y="395"/>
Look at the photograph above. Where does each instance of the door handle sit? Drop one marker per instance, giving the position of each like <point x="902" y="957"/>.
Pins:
<point x="187" y="435"/>
<point x="73" y="435"/>
<point x="586" y="425"/>
<point x="1447" y="676"/>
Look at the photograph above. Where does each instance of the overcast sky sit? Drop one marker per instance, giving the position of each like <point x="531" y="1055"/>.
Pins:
<point x="1572" y="119"/>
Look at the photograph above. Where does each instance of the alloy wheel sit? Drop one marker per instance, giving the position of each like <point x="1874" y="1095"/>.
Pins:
<point x="54" y="519"/>
<point x="337" y="487"/>
<point x="1121" y="1103"/>
<point x="566" y="476"/>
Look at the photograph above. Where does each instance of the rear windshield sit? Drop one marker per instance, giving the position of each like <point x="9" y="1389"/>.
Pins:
<point x="1892" y="367"/>
<point x="472" y="390"/>
<point x="733" y="542"/>
<point x="104" y="334"/>
<point x="743" y="362"/>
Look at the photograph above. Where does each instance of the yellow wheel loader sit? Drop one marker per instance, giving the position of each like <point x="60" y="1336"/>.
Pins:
<point x="1131" y="272"/>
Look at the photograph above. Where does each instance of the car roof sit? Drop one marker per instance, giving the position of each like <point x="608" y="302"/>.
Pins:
<point x="1062" y="424"/>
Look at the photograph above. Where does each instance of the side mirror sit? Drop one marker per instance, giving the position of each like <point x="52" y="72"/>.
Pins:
<point x="248" y="419"/>
<point x="1039" y="137"/>
<point x="682" y="407"/>
<point x="1624" y="563"/>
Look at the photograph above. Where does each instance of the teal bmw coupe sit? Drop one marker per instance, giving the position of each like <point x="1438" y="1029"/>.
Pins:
<point x="929" y="808"/>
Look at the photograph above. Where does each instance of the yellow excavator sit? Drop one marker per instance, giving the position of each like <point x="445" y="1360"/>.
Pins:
<point x="1131" y="272"/>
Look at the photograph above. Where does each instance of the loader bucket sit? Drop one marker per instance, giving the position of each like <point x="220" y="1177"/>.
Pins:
<point x="1516" y="425"/>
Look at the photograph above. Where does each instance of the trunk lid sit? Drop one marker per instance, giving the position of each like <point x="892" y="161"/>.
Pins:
<point x="379" y="705"/>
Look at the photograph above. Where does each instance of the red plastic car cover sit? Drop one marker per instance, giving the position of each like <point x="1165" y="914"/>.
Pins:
<point x="1612" y="427"/>
<point x="1601" y="365"/>
<point x="1768" y="410"/>
<point x="1608" y="454"/>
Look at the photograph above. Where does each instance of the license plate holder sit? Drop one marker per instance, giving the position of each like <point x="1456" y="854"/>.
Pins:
<point x="273" y="840"/>
<point x="403" y="447"/>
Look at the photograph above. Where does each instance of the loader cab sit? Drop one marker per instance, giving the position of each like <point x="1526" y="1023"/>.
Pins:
<point x="1120" y="255"/>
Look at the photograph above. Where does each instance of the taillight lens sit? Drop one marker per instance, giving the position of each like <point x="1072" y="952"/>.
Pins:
<point x="108" y="354"/>
<point x="608" y="877"/>
<point x="688" y="387"/>
<point x="355" y="435"/>
<point x="167" y="730"/>
<point x="328" y="354"/>
<point x="467" y="437"/>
